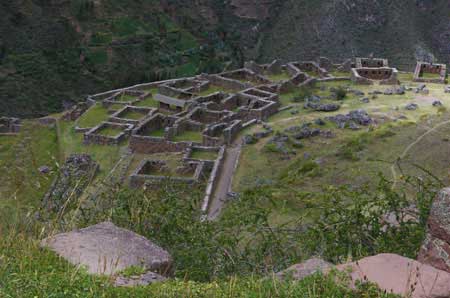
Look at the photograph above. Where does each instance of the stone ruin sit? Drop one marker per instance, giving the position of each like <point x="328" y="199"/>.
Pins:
<point x="154" y="172"/>
<point x="98" y="135"/>
<point x="371" y="62"/>
<point x="367" y="71"/>
<point x="370" y="75"/>
<point x="438" y="70"/>
<point x="138" y="114"/>
<point x="9" y="125"/>
<point x="73" y="177"/>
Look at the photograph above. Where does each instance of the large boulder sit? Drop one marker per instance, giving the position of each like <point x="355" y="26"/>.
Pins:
<point x="302" y="270"/>
<point x="400" y="275"/>
<point x="107" y="249"/>
<point x="435" y="250"/>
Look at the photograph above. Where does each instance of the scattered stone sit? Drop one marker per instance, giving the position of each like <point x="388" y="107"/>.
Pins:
<point x="356" y="92"/>
<point x="44" y="170"/>
<point x="400" y="275"/>
<point x="353" y="126"/>
<point x="364" y="100"/>
<point x="306" y="133"/>
<point x="249" y="139"/>
<point x="328" y="107"/>
<point x="447" y="89"/>
<point x="425" y="91"/>
<point x="297" y="144"/>
<point x="360" y="116"/>
<point x="352" y="119"/>
<point x="302" y="270"/>
<point x="73" y="177"/>
<point x="319" y="121"/>
<point x="411" y="107"/>
<point x="139" y="280"/>
<point x="294" y="112"/>
<point x="107" y="249"/>
<point x="327" y="134"/>
<point x="437" y="103"/>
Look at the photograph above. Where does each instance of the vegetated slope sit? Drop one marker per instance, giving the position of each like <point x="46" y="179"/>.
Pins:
<point x="401" y="30"/>
<point x="52" y="52"/>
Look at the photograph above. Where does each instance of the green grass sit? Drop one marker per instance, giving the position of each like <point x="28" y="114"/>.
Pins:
<point x="338" y="74"/>
<point x="201" y="154"/>
<point x="109" y="131"/>
<point x="157" y="133"/>
<point x="148" y="102"/>
<point x="189" y="135"/>
<point x="428" y="75"/>
<point x="133" y="115"/>
<point x="93" y="117"/>
<point x="27" y="270"/>
<point x="71" y="142"/>
<point x="126" y="97"/>
<point x="22" y="186"/>
<point x="278" y="77"/>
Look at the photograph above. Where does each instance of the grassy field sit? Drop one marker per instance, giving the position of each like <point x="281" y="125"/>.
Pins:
<point x="206" y="155"/>
<point x="394" y="146"/>
<point x="94" y="116"/>
<point x="278" y="77"/>
<point x="188" y="135"/>
<point x="133" y="115"/>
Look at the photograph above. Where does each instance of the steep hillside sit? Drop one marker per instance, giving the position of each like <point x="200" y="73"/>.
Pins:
<point x="53" y="52"/>
<point x="402" y="31"/>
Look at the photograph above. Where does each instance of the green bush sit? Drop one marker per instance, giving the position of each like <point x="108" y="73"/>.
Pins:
<point x="341" y="93"/>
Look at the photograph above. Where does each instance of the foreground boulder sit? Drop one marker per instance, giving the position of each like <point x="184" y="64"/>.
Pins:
<point x="107" y="249"/>
<point x="400" y="275"/>
<point x="435" y="250"/>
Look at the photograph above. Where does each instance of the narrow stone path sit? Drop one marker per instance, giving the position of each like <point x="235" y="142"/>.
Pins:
<point x="219" y="196"/>
<point x="409" y="147"/>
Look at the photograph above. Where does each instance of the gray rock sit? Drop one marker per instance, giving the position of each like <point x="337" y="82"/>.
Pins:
<point x="437" y="103"/>
<point x="139" y="280"/>
<point x="306" y="133"/>
<point x="364" y="100"/>
<point x="319" y="121"/>
<point x="107" y="249"/>
<point x="294" y="112"/>
<point x="249" y="139"/>
<point x="302" y="270"/>
<point x="44" y="170"/>
<point x="328" y="107"/>
<point x="447" y="89"/>
<point x="411" y="107"/>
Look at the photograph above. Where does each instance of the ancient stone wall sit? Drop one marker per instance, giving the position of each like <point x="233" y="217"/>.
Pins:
<point x="424" y="68"/>
<point x="150" y="145"/>
<point x="10" y="125"/>
<point x="120" y="115"/>
<point x="94" y="136"/>
<point x="367" y="76"/>
<point x="371" y="62"/>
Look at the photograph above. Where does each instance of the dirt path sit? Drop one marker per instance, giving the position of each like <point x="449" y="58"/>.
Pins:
<point x="405" y="152"/>
<point x="225" y="178"/>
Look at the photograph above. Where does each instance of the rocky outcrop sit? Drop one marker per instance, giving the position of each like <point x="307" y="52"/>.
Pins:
<point x="435" y="250"/>
<point x="390" y="272"/>
<point x="107" y="249"/>
<point x="400" y="275"/>
<point x="71" y="181"/>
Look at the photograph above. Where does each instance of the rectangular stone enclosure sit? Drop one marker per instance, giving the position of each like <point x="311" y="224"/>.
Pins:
<point x="430" y="73"/>
<point x="107" y="133"/>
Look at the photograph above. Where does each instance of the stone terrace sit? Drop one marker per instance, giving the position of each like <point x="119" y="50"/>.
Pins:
<point x="437" y="72"/>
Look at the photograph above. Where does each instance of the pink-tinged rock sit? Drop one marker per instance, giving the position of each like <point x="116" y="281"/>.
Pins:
<point x="435" y="249"/>
<point x="400" y="275"/>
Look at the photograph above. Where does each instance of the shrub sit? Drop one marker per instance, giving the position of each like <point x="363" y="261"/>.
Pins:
<point x="341" y="93"/>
